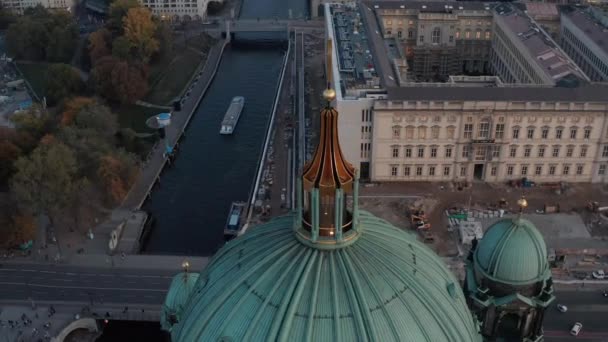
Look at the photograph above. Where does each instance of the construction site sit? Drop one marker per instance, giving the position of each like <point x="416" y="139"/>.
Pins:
<point x="448" y="218"/>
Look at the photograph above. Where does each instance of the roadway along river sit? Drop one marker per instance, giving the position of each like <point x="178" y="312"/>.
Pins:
<point x="212" y="170"/>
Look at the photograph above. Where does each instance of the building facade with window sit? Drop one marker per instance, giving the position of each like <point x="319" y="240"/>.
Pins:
<point x="486" y="139"/>
<point x="19" y="6"/>
<point x="469" y="128"/>
<point x="523" y="53"/>
<point x="584" y="38"/>
<point x="178" y="9"/>
<point x="439" y="38"/>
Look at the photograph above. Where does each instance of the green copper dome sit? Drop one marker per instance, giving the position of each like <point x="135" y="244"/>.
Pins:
<point x="512" y="252"/>
<point x="177" y="298"/>
<point x="268" y="285"/>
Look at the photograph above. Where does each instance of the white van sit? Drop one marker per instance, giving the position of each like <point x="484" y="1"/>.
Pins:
<point x="576" y="329"/>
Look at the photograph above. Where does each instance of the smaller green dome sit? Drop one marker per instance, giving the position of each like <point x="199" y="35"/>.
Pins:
<point x="512" y="252"/>
<point x="177" y="298"/>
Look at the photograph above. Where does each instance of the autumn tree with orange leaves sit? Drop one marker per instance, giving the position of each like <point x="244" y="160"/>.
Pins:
<point x="100" y="43"/>
<point x="119" y="80"/>
<point x="117" y="174"/>
<point x="140" y="30"/>
<point x="72" y="107"/>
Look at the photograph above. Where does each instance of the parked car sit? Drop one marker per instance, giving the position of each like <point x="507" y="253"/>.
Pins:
<point x="562" y="308"/>
<point x="576" y="329"/>
<point x="599" y="274"/>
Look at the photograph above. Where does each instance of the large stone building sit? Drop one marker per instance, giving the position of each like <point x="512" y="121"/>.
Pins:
<point x="177" y="10"/>
<point x="584" y="36"/>
<point x="439" y="38"/>
<point x="523" y="53"/>
<point x="19" y="6"/>
<point x="469" y="127"/>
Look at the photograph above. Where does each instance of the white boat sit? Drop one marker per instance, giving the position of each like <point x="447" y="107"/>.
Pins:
<point x="231" y="118"/>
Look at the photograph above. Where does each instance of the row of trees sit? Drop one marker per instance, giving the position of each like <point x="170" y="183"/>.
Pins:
<point x="67" y="163"/>
<point x="41" y="35"/>
<point x="121" y="51"/>
<point x="71" y="161"/>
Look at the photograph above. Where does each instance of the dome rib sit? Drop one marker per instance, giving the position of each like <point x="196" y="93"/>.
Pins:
<point x="276" y="325"/>
<point x="352" y="296"/>
<point x="418" y="290"/>
<point x="360" y="299"/>
<point x="405" y="281"/>
<point x="334" y="290"/>
<point x="232" y="287"/>
<point x="273" y="268"/>
<point x="357" y="262"/>
<point x="295" y="299"/>
<point x="313" y="302"/>
<point x="384" y="287"/>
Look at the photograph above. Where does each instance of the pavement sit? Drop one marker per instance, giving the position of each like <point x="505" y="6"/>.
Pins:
<point x="98" y="286"/>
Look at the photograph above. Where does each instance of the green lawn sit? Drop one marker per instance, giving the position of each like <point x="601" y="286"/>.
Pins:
<point x="35" y="74"/>
<point x="134" y="117"/>
<point x="168" y="83"/>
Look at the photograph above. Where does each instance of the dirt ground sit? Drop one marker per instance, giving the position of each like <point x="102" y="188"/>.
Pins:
<point x="391" y="200"/>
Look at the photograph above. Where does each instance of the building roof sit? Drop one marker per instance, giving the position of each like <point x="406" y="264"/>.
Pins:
<point x="544" y="51"/>
<point x="377" y="47"/>
<point x="591" y="28"/>
<point x="268" y="286"/>
<point x="428" y="6"/>
<point x="512" y="252"/>
<point x="542" y="10"/>
<point x="591" y="93"/>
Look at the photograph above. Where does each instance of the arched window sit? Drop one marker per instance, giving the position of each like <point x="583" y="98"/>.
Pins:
<point x="409" y="132"/>
<point x="436" y="36"/>
<point x="422" y="132"/>
<point x="396" y="132"/>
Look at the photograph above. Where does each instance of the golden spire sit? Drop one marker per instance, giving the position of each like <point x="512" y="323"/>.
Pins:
<point x="329" y="188"/>
<point x="328" y="170"/>
<point x="523" y="204"/>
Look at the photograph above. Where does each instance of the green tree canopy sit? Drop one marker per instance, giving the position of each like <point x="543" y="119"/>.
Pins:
<point x="62" y="81"/>
<point x="42" y="35"/>
<point x="121" y="48"/>
<point x="30" y="126"/>
<point x="90" y="136"/>
<point x="44" y="180"/>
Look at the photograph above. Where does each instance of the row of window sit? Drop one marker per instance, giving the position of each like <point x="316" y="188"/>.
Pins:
<point x="418" y="170"/>
<point x="584" y="50"/>
<point x="523" y="170"/>
<point x="481" y="152"/>
<point x="555" y="151"/>
<point x="484" y="132"/>
<point x="526" y="170"/>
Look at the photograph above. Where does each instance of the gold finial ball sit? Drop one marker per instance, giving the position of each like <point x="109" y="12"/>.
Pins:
<point x="329" y="94"/>
<point x="522" y="202"/>
<point x="185" y="265"/>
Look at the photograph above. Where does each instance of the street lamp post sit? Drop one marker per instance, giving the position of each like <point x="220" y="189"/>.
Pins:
<point x="161" y="122"/>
